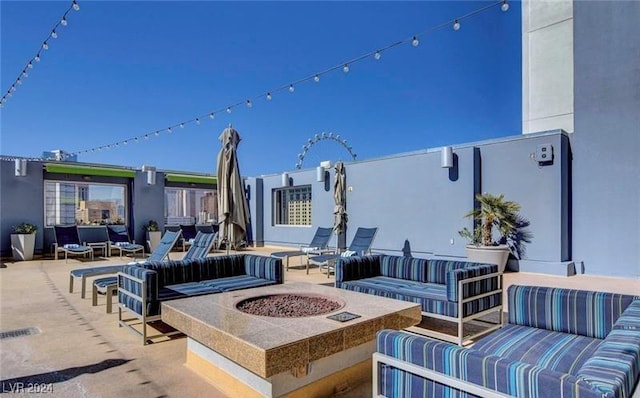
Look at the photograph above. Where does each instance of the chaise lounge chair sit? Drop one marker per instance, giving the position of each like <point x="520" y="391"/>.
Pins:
<point x="200" y="246"/>
<point x="318" y="245"/>
<point x="189" y="233"/>
<point x="360" y="245"/>
<point x="119" y="239"/>
<point x="68" y="242"/>
<point x="168" y="240"/>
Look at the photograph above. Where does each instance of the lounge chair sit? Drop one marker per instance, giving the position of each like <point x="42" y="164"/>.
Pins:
<point x="164" y="247"/>
<point x="360" y="245"/>
<point x="189" y="233"/>
<point x="68" y="242"/>
<point x="319" y="245"/>
<point x="201" y="246"/>
<point x="119" y="239"/>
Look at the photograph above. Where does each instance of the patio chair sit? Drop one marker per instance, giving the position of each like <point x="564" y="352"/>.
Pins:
<point x="67" y="240"/>
<point x="119" y="239"/>
<point x="317" y="246"/>
<point x="189" y="233"/>
<point x="360" y="246"/>
<point x="201" y="246"/>
<point x="168" y="240"/>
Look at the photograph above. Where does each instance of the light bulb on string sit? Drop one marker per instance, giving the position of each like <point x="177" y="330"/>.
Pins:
<point x="291" y="88"/>
<point x="504" y="6"/>
<point x="30" y="65"/>
<point x="13" y="88"/>
<point x="197" y="121"/>
<point x="249" y="104"/>
<point x="24" y="73"/>
<point x="45" y="45"/>
<point x="181" y="125"/>
<point x="212" y="115"/>
<point x="63" y="21"/>
<point x="377" y="55"/>
<point x="37" y="58"/>
<point x="54" y="34"/>
<point x="19" y="81"/>
<point x="157" y="133"/>
<point x="125" y="142"/>
<point x="456" y="25"/>
<point x="316" y="78"/>
<point x="415" y="42"/>
<point x="136" y="139"/>
<point x="76" y="6"/>
<point x="169" y="130"/>
<point x="345" y="68"/>
<point x="146" y="136"/>
<point x="269" y="97"/>
<point x="228" y="109"/>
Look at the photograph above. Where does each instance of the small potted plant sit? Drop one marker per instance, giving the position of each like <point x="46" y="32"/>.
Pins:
<point x="495" y="213"/>
<point x="153" y="234"/>
<point x="23" y="241"/>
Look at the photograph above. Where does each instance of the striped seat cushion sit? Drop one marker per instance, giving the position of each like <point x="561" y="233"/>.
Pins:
<point x="380" y="285"/>
<point x="110" y="269"/>
<point x="188" y="289"/>
<point x="562" y="352"/>
<point x="237" y="283"/>
<point x="102" y="284"/>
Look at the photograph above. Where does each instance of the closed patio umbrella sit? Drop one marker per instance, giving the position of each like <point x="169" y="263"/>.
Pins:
<point x="340" y="208"/>
<point x="233" y="212"/>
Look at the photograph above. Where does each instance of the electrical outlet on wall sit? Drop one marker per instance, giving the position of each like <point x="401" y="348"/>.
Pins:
<point x="452" y="241"/>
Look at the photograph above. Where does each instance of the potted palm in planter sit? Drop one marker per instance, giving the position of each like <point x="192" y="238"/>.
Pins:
<point x="502" y="215"/>
<point x="23" y="241"/>
<point x="153" y="234"/>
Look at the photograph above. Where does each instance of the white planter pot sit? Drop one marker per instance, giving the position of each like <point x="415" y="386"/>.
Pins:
<point x="489" y="255"/>
<point x="22" y="246"/>
<point x="153" y="239"/>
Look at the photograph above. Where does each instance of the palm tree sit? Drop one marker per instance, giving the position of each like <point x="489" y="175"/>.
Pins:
<point x="493" y="211"/>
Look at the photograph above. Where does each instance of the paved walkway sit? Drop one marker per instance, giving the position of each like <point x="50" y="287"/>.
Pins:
<point x="81" y="352"/>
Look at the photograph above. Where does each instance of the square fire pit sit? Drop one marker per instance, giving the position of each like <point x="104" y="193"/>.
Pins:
<point x="255" y="355"/>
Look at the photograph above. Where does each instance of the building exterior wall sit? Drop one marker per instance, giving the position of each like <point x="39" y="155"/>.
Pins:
<point x="547" y="65"/>
<point x="606" y="143"/>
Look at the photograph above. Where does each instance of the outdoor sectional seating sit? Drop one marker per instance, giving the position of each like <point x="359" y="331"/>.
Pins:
<point x="143" y="287"/>
<point x="557" y="343"/>
<point x="454" y="291"/>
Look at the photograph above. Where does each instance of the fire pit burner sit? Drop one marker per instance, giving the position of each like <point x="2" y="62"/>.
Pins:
<point x="289" y="305"/>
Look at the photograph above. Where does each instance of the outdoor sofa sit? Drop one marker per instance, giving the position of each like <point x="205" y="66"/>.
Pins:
<point x="455" y="291"/>
<point x="143" y="287"/>
<point x="557" y="343"/>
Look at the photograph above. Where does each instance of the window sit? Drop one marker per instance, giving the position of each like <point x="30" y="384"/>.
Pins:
<point x="190" y="206"/>
<point x="292" y="206"/>
<point x="84" y="204"/>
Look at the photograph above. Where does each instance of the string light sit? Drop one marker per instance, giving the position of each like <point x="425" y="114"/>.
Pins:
<point x="53" y="34"/>
<point x="345" y="66"/>
<point x="504" y="6"/>
<point x="169" y="130"/>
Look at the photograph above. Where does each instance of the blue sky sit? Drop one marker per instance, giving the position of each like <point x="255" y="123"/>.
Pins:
<point x="123" y="69"/>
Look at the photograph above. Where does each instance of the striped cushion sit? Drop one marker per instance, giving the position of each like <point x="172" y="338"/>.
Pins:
<point x="562" y="352"/>
<point x="614" y="367"/>
<point x="102" y="284"/>
<point x="413" y="269"/>
<point x="237" y="283"/>
<point x="590" y="314"/>
<point x="264" y="267"/>
<point x="438" y="269"/>
<point x="504" y="375"/>
<point x="352" y="268"/>
<point x="93" y="271"/>
<point x="185" y="290"/>
<point x="630" y="318"/>
<point x="473" y="288"/>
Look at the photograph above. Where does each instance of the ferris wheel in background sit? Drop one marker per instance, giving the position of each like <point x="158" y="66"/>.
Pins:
<point x="319" y="137"/>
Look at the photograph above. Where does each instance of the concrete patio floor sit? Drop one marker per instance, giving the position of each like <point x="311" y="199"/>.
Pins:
<point x="82" y="352"/>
